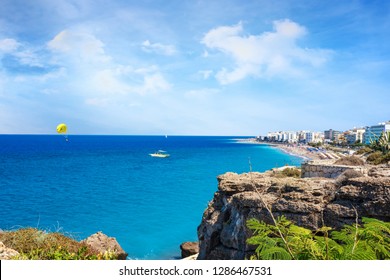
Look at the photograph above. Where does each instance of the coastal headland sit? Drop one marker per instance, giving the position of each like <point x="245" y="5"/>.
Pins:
<point x="311" y="202"/>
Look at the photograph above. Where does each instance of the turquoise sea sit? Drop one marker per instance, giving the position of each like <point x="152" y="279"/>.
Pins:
<point x="111" y="184"/>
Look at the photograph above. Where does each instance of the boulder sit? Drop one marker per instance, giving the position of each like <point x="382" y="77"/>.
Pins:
<point x="189" y="249"/>
<point x="102" y="243"/>
<point x="7" y="253"/>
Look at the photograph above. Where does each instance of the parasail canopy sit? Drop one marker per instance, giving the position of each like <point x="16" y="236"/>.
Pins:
<point x="61" y="128"/>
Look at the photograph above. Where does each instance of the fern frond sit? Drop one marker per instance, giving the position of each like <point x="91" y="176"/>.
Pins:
<point x="296" y="230"/>
<point x="344" y="236"/>
<point x="284" y="240"/>
<point x="275" y="253"/>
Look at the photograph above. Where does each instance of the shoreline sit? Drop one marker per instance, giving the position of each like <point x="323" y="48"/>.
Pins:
<point x="291" y="149"/>
<point x="304" y="151"/>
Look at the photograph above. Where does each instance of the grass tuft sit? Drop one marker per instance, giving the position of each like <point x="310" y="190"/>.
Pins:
<point x="350" y="161"/>
<point x="288" y="172"/>
<point x="35" y="244"/>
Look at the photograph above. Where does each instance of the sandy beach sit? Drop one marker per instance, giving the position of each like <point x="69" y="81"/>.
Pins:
<point x="301" y="150"/>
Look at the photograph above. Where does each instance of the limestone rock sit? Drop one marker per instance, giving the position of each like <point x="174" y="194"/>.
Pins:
<point x="191" y="258"/>
<point x="309" y="202"/>
<point x="189" y="249"/>
<point x="379" y="172"/>
<point x="7" y="253"/>
<point x="102" y="243"/>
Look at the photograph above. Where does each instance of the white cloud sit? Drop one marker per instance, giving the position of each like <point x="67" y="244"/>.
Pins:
<point x="79" y="44"/>
<point x="24" y="54"/>
<point x="153" y="84"/>
<point x="79" y="49"/>
<point x="202" y="94"/>
<point x="53" y="75"/>
<point x="146" y="70"/>
<point x="158" y="48"/>
<point x="124" y="80"/>
<point x="30" y="58"/>
<point x="205" y="73"/>
<point x="98" y="102"/>
<point x="109" y="81"/>
<point x="9" y="45"/>
<point x="269" y="54"/>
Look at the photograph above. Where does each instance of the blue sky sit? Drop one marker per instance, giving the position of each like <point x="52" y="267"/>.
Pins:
<point x="221" y="67"/>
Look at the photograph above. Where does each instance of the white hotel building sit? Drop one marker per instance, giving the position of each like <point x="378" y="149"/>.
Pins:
<point x="295" y="137"/>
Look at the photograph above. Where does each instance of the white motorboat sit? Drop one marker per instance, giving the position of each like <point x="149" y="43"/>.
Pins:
<point x="160" y="153"/>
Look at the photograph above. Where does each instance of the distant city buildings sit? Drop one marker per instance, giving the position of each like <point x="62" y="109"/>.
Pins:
<point x="355" y="135"/>
<point x="314" y="137"/>
<point x="331" y="134"/>
<point x="352" y="136"/>
<point x="293" y="137"/>
<point x="372" y="133"/>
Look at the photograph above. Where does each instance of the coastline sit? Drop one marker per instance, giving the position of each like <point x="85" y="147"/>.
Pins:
<point x="293" y="150"/>
<point x="304" y="151"/>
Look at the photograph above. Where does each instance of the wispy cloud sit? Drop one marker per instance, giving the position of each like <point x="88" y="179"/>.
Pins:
<point x="83" y="51"/>
<point x="80" y="45"/>
<point x="205" y="73"/>
<point x="154" y="83"/>
<point x="158" y="48"/>
<point x="266" y="55"/>
<point x="8" y="45"/>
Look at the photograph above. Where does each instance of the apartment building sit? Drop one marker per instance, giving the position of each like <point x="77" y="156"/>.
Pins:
<point x="331" y="134"/>
<point x="355" y="135"/>
<point x="314" y="137"/>
<point x="373" y="132"/>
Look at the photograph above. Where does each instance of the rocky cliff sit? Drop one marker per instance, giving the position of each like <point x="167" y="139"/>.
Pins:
<point x="309" y="202"/>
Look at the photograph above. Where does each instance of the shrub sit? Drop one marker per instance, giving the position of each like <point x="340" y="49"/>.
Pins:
<point x="386" y="158"/>
<point x="351" y="161"/>
<point x="288" y="172"/>
<point x="35" y="244"/>
<point x="378" y="158"/>
<point x="291" y="172"/>
<point x="382" y="143"/>
<point x="364" y="150"/>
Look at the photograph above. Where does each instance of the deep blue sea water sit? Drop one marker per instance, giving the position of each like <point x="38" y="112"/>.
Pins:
<point x="111" y="184"/>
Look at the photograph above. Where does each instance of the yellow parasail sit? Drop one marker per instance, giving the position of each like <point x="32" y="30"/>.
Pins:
<point x="61" y="128"/>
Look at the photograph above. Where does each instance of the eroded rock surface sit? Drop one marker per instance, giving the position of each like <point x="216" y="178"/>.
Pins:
<point x="102" y="243"/>
<point x="7" y="253"/>
<point x="309" y="202"/>
<point x="189" y="249"/>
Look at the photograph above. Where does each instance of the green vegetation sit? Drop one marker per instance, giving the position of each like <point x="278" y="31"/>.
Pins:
<point x="288" y="172"/>
<point x="315" y="145"/>
<point x="381" y="148"/>
<point x="378" y="152"/>
<point x="364" y="150"/>
<point x="34" y="244"/>
<point x="350" y="160"/>
<point x="286" y="241"/>
<point x="382" y="143"/>
<point x="378" y="158"/>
